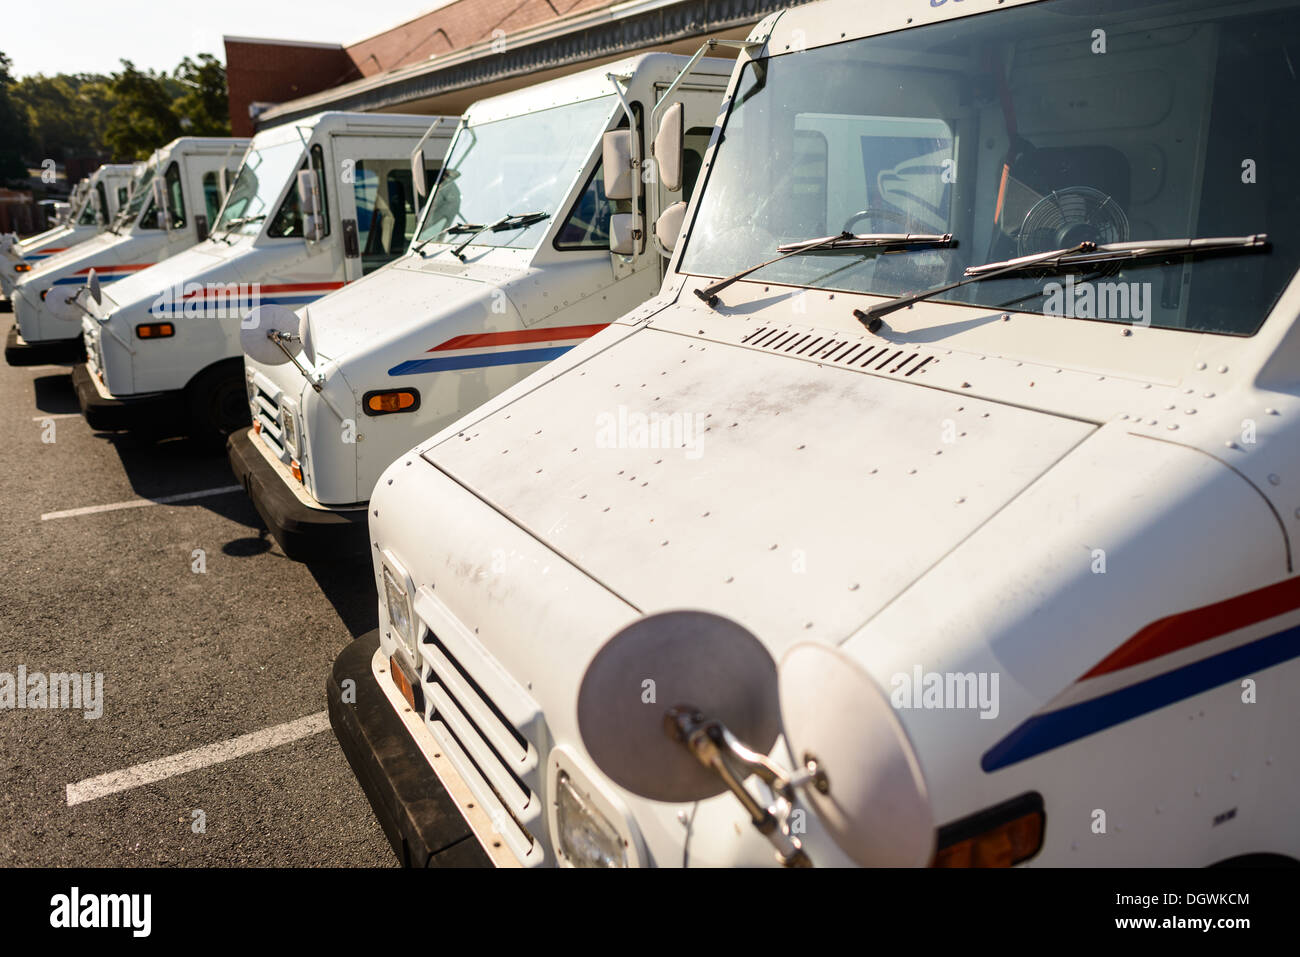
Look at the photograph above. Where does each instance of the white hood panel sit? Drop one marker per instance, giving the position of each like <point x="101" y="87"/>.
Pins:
<point x="880" y="497"/>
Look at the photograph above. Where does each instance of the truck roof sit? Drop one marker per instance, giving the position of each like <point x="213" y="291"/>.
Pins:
<point x="590" y="83"/>
<point x="373" y="123"/>
<point x="834" y="21"/>
<point x="203" y="144"/>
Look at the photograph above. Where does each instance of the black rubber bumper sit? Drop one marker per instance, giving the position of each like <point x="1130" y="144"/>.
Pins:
<point x="163" y="411"/>
<point x="20" y="353"/>
<point x="304" y="533"/>
<point x="417" y="814"/>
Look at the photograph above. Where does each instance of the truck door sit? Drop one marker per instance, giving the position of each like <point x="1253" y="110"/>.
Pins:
<point x="377" y="200"/>
<point x="702" y="107"/>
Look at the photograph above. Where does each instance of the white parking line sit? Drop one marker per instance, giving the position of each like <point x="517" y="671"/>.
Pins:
<point x="48" y="368"/>
<point x="142" y="502"/>
<point x="206" y="756"/>
<point x="56" y="415"/>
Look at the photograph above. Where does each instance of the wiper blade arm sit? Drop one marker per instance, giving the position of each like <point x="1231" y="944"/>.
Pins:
<point x="520" y="221"/>
<point x="845" y="240"/>
<point x="506" y="222"/>
<point x="474" y="233"/>
<point x="1118" y="252"/>
<point x="1083" y="254"/>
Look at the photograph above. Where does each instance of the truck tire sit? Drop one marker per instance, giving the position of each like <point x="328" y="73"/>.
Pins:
<point x="218" y="403"/>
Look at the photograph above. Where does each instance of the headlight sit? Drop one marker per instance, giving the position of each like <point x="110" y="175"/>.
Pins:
<point x="289" y="429"/>
<point x="399" y="612"/>
<point x="584" y="836"/>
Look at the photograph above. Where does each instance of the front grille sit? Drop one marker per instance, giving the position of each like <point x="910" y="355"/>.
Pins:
<point x="266" y="411"/>
<point x="490" y="750"/>
<point x="94" y="357"/>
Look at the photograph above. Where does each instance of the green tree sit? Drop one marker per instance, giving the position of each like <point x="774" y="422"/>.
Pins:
<point x="15" y="133"/>
<point x="67" y="113"/>
<point x="203" y="107"/>
<point x="141" y="118"/>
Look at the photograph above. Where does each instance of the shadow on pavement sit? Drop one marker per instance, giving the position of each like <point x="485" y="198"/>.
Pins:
<point x="54" y="394"/>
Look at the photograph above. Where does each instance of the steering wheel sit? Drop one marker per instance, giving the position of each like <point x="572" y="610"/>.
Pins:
<point x="900" y="218"/>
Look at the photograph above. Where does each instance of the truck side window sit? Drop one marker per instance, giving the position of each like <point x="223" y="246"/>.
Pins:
<point x="587" y="225"/>
<point x="212" y="194"/>
<point x="288" y="220"/>
<point x="175" y="201"/>
<point x="696" y="143"/>
<point x="123" y="193"/>
<point x="386" y="211"/>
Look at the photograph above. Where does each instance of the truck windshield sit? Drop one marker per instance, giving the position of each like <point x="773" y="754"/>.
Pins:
<point x="261" y="179"/>
<point x="141" y="185"/>
<point x="1021" y="131"/>
<point x="521" y="164"/>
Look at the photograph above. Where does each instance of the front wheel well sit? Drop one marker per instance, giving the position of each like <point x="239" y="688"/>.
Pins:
<point x="231" y="366"/>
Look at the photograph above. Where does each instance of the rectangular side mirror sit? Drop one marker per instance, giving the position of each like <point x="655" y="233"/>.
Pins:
<point x="668" y="147"/>
<point x="201" y="224"/>
<point x="160" y="204"/>
<point x="617" y="158"/>
<point x="313" y="228"/>
<point x="417" y="172"/>
<point x="622" y="234"/>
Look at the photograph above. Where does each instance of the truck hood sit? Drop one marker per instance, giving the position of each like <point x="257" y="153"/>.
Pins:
<point x="387" y="304"/>
<point x="657" y="490"/>
<point x="206" y="262"/>
<point x="33" y="244"/>
<point x="104" y="246"/>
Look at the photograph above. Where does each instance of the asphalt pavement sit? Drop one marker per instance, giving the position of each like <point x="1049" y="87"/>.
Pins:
<point x="212" y="748"/>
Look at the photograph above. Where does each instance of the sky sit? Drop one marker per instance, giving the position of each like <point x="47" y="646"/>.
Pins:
<point x="90" y="36"/>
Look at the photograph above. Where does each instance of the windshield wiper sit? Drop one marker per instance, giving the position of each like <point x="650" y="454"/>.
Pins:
<point x="845" y="240"/>
<point x="507" y="222"/>
<point x="1085" y="253"/>
<point x="238" y="221"/>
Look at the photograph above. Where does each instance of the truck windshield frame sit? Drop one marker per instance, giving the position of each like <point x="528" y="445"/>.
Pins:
<point x="263" y="178"/>
<point x="488" y="176"/>
<point x="1022" y="130"/>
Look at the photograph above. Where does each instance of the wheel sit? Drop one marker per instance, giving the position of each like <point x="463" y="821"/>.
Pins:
<point x="218" y="403"/>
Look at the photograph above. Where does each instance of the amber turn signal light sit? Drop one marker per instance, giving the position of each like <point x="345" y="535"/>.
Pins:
<point x="155" y="330"/>
<point x="390" y="401"/>
<point x="1000" y="836"/>
<point x="23" y="267"/>
<point x="296" y="469"/>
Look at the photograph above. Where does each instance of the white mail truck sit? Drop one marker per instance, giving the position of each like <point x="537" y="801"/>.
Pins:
<point x="942" y="509"/>
<point x="162" y="346"/>
<point x="96" y="204"/>
<point x="521" y="254"/>
<point x="174" y="199"/>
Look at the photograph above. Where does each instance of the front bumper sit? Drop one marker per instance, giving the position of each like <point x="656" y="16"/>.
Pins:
<point x="161" y="411"/>
<point x="418" y="815"/>
<point x="20" y="352"/>
<point x="304" y="533"/>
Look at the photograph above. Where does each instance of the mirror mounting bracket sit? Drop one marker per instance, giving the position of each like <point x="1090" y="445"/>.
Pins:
<point x="715" y="747"/>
